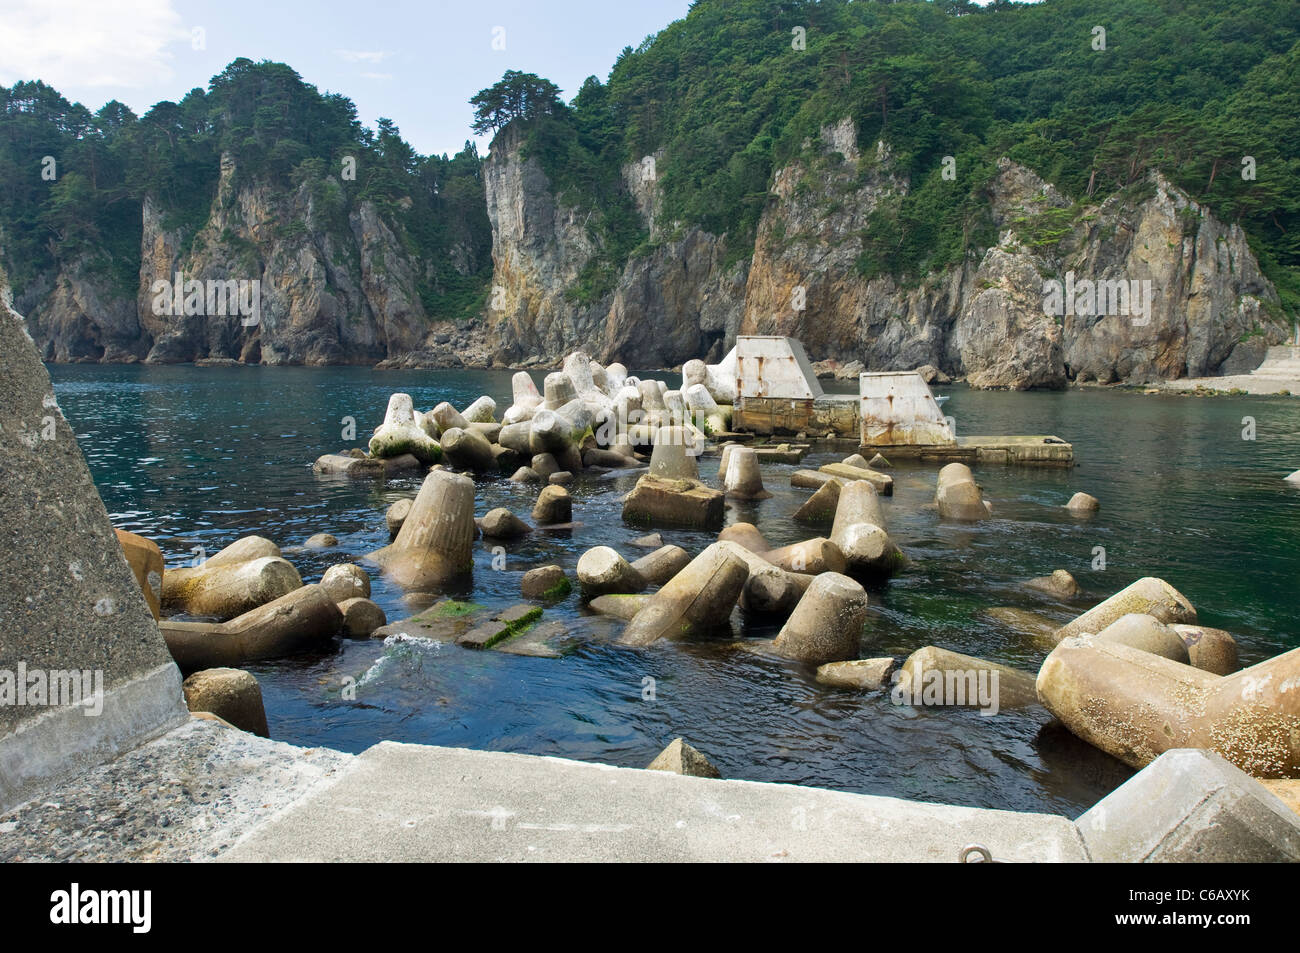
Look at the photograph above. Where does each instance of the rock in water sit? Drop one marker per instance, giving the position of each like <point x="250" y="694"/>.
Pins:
<point x="554" y="505"/>
<point x="500" y="523"/>
<point x="1083" y="503"/>
<point x="436" y="541"/>
<point x="958" y="496"/>
<point x="826" y="625"/>
<point x="545" y="583"/>
<point x="346" y="581"/>
<point x="231" y="694"/>
<point x="602" y="571"/>
<point x="681" y="758"/>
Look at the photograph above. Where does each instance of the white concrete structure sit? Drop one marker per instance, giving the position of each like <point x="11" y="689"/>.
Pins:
<point x="897" y="408"/>
<point x="774" y="367"/>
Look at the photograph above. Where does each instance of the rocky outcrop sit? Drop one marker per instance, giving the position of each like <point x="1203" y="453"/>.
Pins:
<point x="987" y="320"/>
<point x="335" y="285"/>
<point x="677" y="302"/>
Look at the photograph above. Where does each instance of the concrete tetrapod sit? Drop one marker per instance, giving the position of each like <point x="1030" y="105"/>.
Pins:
<point x="1148" y="596"/>
<point x="1210" y="650"/>
<point x="436" y="541"/>
<point x="146" y="562"/>
<point x="295" y="621"/>
<point x="859" y="532"/>
<point x="231" y="694"/>
<point x="226" y="590"/>
<point x="656" y="501"/>
<point x="671" y="459"/>
<point x="813" y="556"/>
<point x="826" y="625"/>
<point x="769" y="588"/>
<point x="1135" y="705"/>
<point x="1191" y="805"/>
<point x="935" y="676"/>
<point x="602" y="571"/>
<point x="742" y="478"/>
<point x="467" y="450"/>
<point x="697" y="599"/>
<point x="658" y="567"/>
<point x="400" y="434"/>
<point x="345" y="581"/>
<point x="500" y="523"/>
<point x="554" y="505"/>
<point x="958" y="496"/>
<point x="819" y="509"/>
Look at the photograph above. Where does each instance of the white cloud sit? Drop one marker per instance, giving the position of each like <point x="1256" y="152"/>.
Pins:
<point x="89" y="43"/>
<point x="363" y="56"/>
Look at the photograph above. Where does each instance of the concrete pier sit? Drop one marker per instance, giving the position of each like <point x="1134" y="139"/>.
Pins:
<point x="1039" y="450"/>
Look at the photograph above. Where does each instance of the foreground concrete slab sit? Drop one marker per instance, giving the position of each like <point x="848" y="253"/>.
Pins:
<point x="407" y="802"/>
<point x="185" y="796"/>
<point x="1191" y="805"/>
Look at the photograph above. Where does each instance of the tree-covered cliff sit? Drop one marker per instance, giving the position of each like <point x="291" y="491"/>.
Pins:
<point x="889" y="181"/>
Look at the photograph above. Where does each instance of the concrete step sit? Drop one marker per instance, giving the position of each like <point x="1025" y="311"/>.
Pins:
<point x="412" y="802"/>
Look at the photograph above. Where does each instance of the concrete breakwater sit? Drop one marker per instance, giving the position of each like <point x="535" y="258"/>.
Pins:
<point x="834" y="602"/>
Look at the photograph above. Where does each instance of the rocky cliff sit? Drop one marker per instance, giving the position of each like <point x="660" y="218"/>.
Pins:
<point x="335" y="285"/>
<point x="986" y="321"/>
<point x="338" y="283"/>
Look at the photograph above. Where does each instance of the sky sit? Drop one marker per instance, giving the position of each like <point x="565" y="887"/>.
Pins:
<point x="415" y="63"/>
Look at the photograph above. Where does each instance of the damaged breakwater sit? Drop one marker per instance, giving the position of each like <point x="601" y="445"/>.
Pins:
<point x="198" y="457"/>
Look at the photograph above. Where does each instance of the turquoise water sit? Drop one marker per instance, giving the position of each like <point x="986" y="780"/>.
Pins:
<point x="197" y="457"/>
